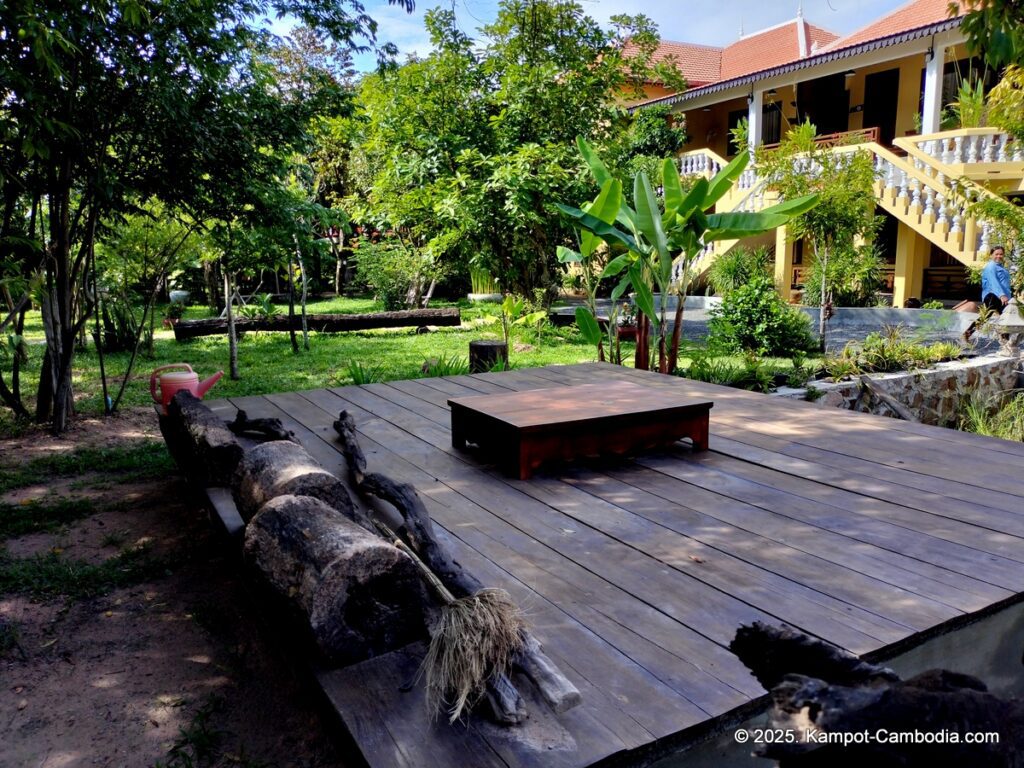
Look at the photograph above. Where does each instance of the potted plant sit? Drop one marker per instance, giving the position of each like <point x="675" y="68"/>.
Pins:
<point x="627" y="322"/>
<point x="173" y="313"/>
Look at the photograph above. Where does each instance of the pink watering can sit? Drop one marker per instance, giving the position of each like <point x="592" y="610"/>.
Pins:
<point x="170" y="383"/>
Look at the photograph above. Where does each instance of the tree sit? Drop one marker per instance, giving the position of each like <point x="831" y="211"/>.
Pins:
<point x="844" y="182"/>
<point x="107" y="102"/>
<point x="465" y="150"/>
<point x="994" y="28"/>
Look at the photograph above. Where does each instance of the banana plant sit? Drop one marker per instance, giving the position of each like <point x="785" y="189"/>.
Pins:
<point x="605" y="207"/>
<point x="663" y="236"/>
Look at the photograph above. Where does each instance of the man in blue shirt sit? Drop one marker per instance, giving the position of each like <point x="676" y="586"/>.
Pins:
<point x="995" y="287"/>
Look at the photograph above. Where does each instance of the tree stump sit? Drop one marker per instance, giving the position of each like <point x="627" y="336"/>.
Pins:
<point x="280" y="468"/>
<point x="360" y="595"/>
<point x="485" y="354"/>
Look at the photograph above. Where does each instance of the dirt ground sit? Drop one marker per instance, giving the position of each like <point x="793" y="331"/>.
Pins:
<point x="183" y="659"/>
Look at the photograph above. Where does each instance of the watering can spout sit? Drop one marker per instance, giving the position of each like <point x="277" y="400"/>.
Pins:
<point x="204" y="386"/>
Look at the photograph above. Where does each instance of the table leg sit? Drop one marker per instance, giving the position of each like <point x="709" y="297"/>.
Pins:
<point x="458" y="433"/>
<point x="699" y="433"/>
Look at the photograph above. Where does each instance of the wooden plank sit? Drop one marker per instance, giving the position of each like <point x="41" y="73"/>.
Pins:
<point x="621" y="730"/>
<point x="927" y="577"/>
<point x="937" y="551"/>
<point x="692" y="554"/>
<point x="919" y="452"/>
<point x="717" y="613"/>
<point x="392" y="726"/>
<point x="461" y="515"/>
<point x="739" y="443"/>
<point x="292" y="403"/>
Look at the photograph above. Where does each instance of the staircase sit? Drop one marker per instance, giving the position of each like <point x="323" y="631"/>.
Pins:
<point x="930" y="190"/>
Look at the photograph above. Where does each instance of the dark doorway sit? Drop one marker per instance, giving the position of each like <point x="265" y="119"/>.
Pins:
<point x="881" y="94"/>
<point x="826" y="103"/>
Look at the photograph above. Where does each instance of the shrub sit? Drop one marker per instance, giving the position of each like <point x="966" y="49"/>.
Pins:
<point x="736" y="267"/>
<point x="853" y="276"/>
<point x="754" y="318"/>
<point x="393" y="272"/>
<point x="989" y="416"/>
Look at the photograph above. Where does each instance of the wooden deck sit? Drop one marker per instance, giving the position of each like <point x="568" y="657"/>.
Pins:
<point x="865" y="531"/>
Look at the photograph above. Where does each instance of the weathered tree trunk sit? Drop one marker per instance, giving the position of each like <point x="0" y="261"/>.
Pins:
<point x="200" y="442"/>
<point x="280" y="468"/>
<point x="232" y="335"/>
<point x="291" y="307"/>
<point x="302" y="272"/>
<point x="677" y="332"/>
<point x="360" y="595"/>
<point x="418" y="532"/>
<point x="485" y="354"/>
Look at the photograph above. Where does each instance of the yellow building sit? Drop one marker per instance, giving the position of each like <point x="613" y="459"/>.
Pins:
<point x="889" y="80"/>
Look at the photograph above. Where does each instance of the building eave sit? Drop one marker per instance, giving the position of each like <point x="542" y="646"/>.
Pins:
<point x="815" y="60"/>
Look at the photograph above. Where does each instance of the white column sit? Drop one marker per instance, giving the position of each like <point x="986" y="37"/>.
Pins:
<point x="931" y="111"/>
<point x="755" y="121"/>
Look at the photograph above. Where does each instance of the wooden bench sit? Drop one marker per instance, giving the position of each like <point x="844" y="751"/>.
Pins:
<point x="522" y="430"/>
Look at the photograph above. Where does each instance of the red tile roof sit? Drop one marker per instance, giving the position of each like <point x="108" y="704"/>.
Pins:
<point x="913" y="15"/>
<point x="780" y="45"/>
<point x="700" y="64"/>
<point x="761" y="50"/>
<point x="818" y="38"/>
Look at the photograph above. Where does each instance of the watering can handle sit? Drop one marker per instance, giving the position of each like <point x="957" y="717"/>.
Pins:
<point x="154" y="379"/>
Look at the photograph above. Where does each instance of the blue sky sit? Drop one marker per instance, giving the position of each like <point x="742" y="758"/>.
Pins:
<point x="693" y="21"/>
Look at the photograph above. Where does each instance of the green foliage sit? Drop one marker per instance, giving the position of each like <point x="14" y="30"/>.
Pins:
<point x="663" y="236"/>
<point x="175" y="310"/>
<point x="110" y="104"/>
<point x="393" y="272"/>
<point x="462" y="151"/>
<point x="969" y="107"/>
<point x="1006" y="102"/>
<point x="360" y="373"/>
<point x="853" y="274"/>
<point x="993" y="28"/>
<point x="886" y="351"/>
<point x="738" y="266"/>
<point x="754" y="318"/>
<point x="260" y="307"/>
<point x="933" y="304"/>
<point x="1000" y="416"/>
<point x="652" y="133"/>
<point x="452" y="365"/>
<point x="42" y="515"/>
<point x="844" y="184"/>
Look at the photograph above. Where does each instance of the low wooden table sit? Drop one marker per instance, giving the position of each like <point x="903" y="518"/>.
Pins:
<point x="524" y="429"/>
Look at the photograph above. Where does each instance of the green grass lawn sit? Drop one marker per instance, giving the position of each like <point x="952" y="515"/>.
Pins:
<point x="267" y="363"/>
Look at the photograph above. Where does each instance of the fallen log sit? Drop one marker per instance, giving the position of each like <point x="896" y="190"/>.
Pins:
<point x="447" y="316"/>
<point x="359" y="595"/>
<point x="418" y="532"/>
<point x="199" y="441"/>
<point x="829" y="700"/>
<point x="284" y="468"/>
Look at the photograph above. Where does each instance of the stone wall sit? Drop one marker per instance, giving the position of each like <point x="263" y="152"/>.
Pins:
<point x="936" y="394"/>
